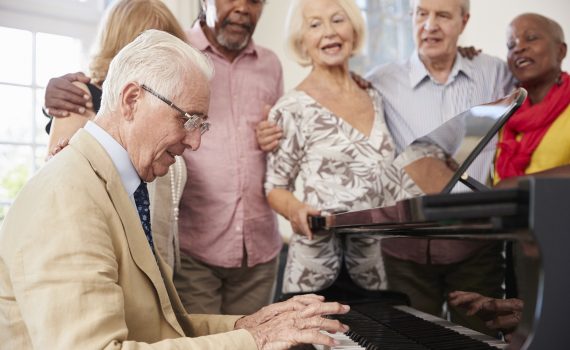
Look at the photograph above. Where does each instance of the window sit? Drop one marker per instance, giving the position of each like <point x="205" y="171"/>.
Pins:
<point x="39" y="42"/>
<point x="389" y="33"/>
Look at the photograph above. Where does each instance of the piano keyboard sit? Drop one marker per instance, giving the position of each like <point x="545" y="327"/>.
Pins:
<point x="401" y="327"/>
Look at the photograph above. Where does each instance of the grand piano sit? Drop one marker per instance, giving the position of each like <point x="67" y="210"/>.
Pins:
<point x="536" y="214"/>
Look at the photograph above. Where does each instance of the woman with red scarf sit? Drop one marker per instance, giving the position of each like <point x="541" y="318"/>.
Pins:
<point x="536" y="139"/>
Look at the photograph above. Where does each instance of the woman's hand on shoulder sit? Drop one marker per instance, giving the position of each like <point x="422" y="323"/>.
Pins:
<point x="64" y="96"/>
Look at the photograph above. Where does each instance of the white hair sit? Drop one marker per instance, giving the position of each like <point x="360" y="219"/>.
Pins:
<point x="465" y="6"/>
<point x="156" y="59"/>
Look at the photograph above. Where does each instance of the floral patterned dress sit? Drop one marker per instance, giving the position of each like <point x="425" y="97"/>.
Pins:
<point x="340" y="169"/>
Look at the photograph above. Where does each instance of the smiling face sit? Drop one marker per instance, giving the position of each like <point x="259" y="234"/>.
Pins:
<point x="231" y="22"/>
<point x="156" y="133"/>
<point x="437" y="26"/>
<point x="328" y="35"/>
<point x="535" y="49"/>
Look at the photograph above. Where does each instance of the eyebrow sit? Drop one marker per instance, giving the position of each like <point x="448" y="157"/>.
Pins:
<point x="419" y="8"/>
<point x="339" y="12"/>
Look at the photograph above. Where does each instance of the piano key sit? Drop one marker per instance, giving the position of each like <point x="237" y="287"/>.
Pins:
<point x="496" y="343"/>
<point x="345" y="343"/>
<point x="379" y="326"/>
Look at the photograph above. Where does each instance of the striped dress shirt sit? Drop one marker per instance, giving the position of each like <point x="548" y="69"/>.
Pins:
<point x="415" y="104"/>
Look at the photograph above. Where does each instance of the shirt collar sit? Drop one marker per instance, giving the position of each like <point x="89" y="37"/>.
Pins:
<point x="418" y="71"/>
<point x="120" y="157"/>
<point x="199" y="40"/>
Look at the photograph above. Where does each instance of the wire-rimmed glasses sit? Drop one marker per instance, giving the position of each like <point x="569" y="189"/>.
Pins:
<point x="193" y="121"/>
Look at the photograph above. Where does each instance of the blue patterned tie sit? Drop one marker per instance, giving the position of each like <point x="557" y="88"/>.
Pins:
<point x="143" y="207"/>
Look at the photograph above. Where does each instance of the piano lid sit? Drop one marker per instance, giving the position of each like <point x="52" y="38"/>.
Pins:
<point x="466" y="136"/>
<point x="480" y="123"/>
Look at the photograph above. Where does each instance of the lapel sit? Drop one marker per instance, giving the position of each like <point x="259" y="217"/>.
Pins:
<point x="142" y="256"/>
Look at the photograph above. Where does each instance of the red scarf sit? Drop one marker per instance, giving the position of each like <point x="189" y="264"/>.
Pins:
<point x="532" y="121"/>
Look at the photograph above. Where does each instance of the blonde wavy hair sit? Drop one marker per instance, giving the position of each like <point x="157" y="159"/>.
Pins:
<point x="123" y="22"/>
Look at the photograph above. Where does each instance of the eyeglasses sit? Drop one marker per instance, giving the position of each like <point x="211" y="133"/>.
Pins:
<point x="193" y="121"/>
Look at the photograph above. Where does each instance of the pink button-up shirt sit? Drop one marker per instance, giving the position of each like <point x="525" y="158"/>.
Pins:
<point x="223" y="207"/>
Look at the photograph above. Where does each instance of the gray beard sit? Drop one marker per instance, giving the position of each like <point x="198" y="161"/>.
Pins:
<point x="232" y="45"/>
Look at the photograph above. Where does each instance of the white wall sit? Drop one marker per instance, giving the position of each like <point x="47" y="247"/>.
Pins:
<point x="184" y="10"/>
<point x="270" y="32"/>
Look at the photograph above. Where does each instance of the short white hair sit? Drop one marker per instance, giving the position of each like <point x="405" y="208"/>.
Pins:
<point x="464" y="4"/>
<point x="156" y="59"/>
<point x="294" y="30"/>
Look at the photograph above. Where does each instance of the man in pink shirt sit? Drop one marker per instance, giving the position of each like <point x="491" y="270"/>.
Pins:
<point x="228" y="237"/>
<point x="229" y="241"/>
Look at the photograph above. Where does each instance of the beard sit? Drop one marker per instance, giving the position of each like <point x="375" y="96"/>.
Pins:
<point x="234" y="44"/>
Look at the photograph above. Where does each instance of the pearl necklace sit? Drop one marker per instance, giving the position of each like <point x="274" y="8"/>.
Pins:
<point x="176" y="187"/>
<point x="176" y="193"/>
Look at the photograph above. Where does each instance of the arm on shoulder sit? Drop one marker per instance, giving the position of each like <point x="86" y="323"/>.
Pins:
<point x="62" y="129"/>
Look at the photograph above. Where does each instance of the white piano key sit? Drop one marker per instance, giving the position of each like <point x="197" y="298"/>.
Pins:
<point x="499" y="344"/>
<point x="345" y="343"/>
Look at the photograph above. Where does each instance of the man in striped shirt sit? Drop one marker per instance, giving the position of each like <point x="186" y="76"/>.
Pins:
<point x="431" y="87"/>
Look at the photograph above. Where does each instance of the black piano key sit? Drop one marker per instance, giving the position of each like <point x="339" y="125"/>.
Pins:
<point x="379" y="326"/>
<point x="371" y="335"/>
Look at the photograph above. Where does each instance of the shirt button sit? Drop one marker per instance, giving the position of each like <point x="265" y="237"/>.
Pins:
<point x="238" y="228"/>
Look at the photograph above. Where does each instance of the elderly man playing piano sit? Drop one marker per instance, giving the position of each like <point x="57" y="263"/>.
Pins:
<point x="84" y="274"/>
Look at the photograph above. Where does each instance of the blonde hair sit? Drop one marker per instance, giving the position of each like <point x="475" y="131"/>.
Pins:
<point x="123" y="22"/>
<point x="295" y="29"/>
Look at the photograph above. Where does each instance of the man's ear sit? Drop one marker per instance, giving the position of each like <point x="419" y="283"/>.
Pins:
<point x="130" y="97"/>
<point x="464" y="20"/>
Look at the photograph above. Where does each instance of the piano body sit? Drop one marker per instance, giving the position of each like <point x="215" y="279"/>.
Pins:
<point x="536" y="213"/>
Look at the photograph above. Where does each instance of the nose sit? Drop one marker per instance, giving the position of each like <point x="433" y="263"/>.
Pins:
<point x="193" y="139"/>
<point x="431" y="23"/>
<point x="241" y="6"/>
<point x="519" y="46"/>
<point x="328" y="29"/>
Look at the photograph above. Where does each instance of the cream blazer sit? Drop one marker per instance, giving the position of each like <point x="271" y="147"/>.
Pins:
<point x="76" y="271"/>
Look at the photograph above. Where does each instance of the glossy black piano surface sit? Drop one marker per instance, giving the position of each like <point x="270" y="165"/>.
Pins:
<point x="464" y="215"/>
<point x="537" y="212"/>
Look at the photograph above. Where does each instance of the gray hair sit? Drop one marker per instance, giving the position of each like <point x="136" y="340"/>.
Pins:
<point x="465" y="6"/>
<point x="156" y="59"/>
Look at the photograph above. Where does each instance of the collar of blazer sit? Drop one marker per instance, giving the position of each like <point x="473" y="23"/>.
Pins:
<point x="103" y="166"/>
